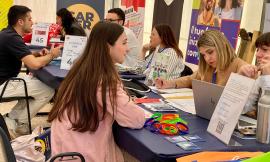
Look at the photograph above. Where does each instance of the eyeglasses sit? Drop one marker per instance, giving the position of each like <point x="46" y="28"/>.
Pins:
<point x="112" y="20"/>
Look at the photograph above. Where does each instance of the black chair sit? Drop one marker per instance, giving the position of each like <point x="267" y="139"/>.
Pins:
<point x="3" y="125"/>
<point x="26" y="98"/>
<point x="68" y="156"/>
<point x="8" y="154"/>
<point x="187" y="71"/>
<point x="5" y="147"/>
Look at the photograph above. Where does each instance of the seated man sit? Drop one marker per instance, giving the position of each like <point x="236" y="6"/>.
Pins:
<point x="13" y="51"/>
<point x="117" y="15"/>
<point x="263" y="80"/>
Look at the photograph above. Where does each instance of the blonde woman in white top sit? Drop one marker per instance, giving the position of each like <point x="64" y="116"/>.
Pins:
<point x="167" y="59"/>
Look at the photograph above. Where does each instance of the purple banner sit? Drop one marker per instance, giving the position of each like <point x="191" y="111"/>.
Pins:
<point x="218" y="20"/>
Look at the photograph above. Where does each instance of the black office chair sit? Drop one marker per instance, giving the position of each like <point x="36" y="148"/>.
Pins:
<point x="3" y="125"/>
<point x="26" y="98"/>
<point x="5" y="148"/>
<point x="68" y="156"/>
<point x="187" y="71"/>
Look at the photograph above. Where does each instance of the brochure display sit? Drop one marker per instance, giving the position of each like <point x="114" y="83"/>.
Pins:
<point x="73" y="47"/>
<point x="40" y="34"/>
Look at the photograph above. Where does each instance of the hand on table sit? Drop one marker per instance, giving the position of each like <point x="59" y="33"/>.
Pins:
<point x="163" y="84"/>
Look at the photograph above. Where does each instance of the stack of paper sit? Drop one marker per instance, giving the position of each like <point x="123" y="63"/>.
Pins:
<point x="182" y="100"/>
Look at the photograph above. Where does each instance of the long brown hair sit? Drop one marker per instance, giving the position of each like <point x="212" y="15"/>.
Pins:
<point x="167" y="37"/>
<point x="77" y="95"/>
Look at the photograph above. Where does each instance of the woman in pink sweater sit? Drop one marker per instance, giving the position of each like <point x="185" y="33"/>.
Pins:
<point x="92" y="97"/>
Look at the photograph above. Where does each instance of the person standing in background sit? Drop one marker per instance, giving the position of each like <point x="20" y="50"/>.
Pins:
<point x="117" y="15"/>
<point x="68" y="23"/>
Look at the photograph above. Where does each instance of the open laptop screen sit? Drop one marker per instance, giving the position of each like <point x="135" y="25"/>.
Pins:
<point x="206" y="96"/>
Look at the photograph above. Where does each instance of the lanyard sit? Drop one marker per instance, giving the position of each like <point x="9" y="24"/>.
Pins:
<point x="214" y="77"/>
<point x="150" y="61"/>
<point x="161" y="50"/>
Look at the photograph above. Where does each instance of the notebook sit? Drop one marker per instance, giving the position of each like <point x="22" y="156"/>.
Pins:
<point x="206" y="96"/>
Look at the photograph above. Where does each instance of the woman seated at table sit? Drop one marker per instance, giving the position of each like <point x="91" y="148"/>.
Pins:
<point x="217" y="61"/>
<point x="92" y="97"/>
<point x="68" y="23"/>
<point x="167" y="59"/>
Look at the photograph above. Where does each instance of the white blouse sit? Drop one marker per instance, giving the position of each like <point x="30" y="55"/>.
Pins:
<point x="163" y="63"/>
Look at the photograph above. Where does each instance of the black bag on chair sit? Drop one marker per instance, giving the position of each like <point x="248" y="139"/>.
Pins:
<point x="135" y="88"/>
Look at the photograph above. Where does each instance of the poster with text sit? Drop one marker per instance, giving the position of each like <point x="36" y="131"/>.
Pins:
<point x="87" y="12"/>
<point x="134" y="11"/>
<point x="4" y="7"/>
<point x="223" y="15"/>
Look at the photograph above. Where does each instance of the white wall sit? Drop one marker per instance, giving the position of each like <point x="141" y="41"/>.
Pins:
<point x="184" y="31"/>
<point x="42" y="10"/>
<point x="149" y="11"/>
<point x="251" y="17"/>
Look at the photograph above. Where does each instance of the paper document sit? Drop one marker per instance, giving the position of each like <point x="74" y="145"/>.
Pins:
<point x="186" y="105"/>
<point x="179" y="90"/>
<point x="186" y="95"/>
<point x="73" y="48"/>
<point x="122" y="68"/>
<point x="182" y="100"/>
<point x="230" y="106"/>
<point x="40" y="34"/>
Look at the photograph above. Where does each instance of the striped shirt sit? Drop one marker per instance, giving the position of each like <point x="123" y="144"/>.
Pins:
<point x="163" y="63"/>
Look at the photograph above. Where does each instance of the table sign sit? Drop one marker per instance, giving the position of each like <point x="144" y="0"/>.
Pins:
<point x="73" y="47"/>
<point x="230" y="106"/>
<point x="40" y="34"/>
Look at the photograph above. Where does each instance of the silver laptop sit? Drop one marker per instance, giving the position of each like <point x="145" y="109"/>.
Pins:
<point x="206" y="96"/>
